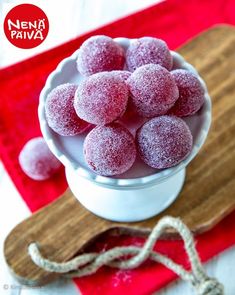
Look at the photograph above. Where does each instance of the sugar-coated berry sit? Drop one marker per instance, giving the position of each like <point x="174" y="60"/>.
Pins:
<point x="153" y="90"/>
<point x="98" y="54"/>
<point x="148" y="50"/>
<point x="60" y="112"/>
<point x="101" y="98"/>
<point x="37" y="161"/>
<point x="191" y="93"/>
<point x="164" y="141"/>
<point x="110" y="150"/>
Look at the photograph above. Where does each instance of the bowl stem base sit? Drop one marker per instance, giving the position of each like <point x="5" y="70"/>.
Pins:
<point x="125" y="205"/>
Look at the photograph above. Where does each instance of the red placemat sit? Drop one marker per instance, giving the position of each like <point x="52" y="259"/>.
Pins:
<point x="175" y="21"/>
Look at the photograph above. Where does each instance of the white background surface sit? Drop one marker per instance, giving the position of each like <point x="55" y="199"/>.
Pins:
<point x="67" y="20"/>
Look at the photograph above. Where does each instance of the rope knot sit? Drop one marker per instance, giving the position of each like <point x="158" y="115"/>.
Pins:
<point x="89" y="263"/>
<point x="210" y="287"/>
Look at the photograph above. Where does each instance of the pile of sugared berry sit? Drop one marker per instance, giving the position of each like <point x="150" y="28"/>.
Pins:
<point x="142" y="82"/>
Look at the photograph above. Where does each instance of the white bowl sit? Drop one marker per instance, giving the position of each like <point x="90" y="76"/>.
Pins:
<point x="141" y="192"/>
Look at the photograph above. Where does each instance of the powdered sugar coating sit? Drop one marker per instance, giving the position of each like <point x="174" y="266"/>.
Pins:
<point x="191" y="94"/>
<point x="98" y="54"/>
<point x="164" y="141"/>
<point x="148" y="50"/>
<point x="153" y="90"/>
<point x="101" y="98"/>
<point x="122" y="74"/>
<point x="110" y="150"/>
<point x="37" y="161"/>
<point x="60" y="113"/>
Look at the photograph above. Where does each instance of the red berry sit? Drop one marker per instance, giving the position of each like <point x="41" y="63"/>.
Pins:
<point x="101" y="98"/>
<point x="60" y="113"/>
<point x="191" y="94"/>
<point x="153" y="90"/>
<point x="98" y="54"/>
<point x="110" y="150"/>
<point x="164" y="141"/>
<point x="148" y="50"/>
<point x="37" y="161"/>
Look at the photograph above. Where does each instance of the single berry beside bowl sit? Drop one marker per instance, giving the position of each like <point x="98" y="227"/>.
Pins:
<point x="37" y="161"/>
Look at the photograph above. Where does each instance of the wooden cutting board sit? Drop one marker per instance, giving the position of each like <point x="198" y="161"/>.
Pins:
<point x="64" y="227"/>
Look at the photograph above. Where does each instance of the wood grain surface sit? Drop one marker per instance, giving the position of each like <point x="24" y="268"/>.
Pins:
<point x="64" y="228"/>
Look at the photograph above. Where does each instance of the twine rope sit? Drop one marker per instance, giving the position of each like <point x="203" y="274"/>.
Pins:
<point x="86" y="264"/>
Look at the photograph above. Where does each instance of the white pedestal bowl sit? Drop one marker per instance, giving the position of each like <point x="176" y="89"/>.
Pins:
<point x="141" y="192"/>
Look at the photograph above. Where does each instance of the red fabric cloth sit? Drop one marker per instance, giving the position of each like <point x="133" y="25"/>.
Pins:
<point x="176" y="21"/>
